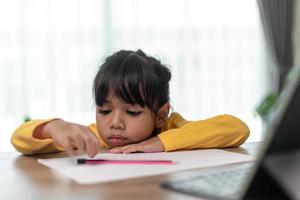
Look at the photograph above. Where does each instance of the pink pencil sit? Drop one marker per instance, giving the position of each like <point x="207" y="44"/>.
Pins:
<point x="109" y="161"/>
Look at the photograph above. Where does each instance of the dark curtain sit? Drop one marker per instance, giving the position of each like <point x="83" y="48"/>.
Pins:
<point x="277" y="18"/>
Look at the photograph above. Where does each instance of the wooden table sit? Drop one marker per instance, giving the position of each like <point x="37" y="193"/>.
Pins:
<point x="23" y="178"/>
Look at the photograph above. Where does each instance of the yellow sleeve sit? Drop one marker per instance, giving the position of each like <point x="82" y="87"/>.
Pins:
<point x="24" y="142"/>
<point x="217" y="132"/>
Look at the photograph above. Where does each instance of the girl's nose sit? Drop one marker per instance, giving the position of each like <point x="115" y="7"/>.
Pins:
<point x="117" y="121"/>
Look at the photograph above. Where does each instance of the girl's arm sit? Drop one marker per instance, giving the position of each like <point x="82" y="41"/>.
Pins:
<point x="55" y="135"/>
<point x="24" y="142"/>
<point x="217" y="132"/>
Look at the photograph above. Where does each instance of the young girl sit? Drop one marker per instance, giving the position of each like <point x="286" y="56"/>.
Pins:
<point x="131" y="91"/>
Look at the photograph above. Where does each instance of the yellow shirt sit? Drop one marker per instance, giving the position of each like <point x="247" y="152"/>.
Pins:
<point x="177" y="134"/>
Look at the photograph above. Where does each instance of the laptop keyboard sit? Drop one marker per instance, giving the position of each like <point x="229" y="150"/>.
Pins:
<point x="218" y="185"/>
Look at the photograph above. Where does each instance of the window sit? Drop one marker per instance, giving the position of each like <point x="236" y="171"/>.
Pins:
<point x="50" y="52"/>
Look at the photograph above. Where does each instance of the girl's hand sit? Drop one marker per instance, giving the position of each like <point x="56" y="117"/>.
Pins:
<point x="74" y="138"/>
<point x="150" y="145"/>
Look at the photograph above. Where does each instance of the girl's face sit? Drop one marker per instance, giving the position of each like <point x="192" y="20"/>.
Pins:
<point x="120" y="123"/>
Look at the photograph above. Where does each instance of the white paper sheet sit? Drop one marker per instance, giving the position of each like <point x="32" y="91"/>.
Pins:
<point x="89" y="174"/>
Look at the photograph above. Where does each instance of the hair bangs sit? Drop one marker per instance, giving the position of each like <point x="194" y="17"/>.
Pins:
<point x="130" y="85"/>
<point x="124" y="81"/>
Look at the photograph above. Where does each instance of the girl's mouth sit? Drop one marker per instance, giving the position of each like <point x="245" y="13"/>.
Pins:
<point x="117" y="139"/>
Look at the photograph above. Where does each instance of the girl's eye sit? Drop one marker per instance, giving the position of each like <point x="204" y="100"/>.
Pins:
<point x="104" y="112"/>
<point x="133" y="113"/>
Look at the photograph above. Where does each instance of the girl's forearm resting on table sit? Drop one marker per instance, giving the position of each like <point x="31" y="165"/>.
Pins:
<point x="217" y="132"/>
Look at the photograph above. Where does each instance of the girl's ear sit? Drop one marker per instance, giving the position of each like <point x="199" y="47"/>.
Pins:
<point x="162" y="115"/>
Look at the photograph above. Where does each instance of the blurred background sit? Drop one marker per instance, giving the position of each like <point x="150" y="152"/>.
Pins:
<point x="50" y="51"/>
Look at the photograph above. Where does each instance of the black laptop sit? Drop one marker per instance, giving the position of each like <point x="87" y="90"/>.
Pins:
<point x="276" y="172"/>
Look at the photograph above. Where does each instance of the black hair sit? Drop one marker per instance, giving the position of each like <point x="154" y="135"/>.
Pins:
<point x="134" y="77"/>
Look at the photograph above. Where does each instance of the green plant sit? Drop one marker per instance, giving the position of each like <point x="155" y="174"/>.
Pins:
<point x="267" y="105"/>
<point x="26" y="118"/>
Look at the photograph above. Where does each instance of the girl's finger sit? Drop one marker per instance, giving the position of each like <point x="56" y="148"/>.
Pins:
<point x="116" y="150"/>
<point x="133" y="148"/>
<point x="91" y="146"/>
<point x="79" y="142"/>
<point x="68" y="147"/>
<point x="71" y="151"/>
<point x="91" y="142"/>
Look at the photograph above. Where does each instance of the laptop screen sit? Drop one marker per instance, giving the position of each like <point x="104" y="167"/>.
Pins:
<point x="282" y="141"/>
